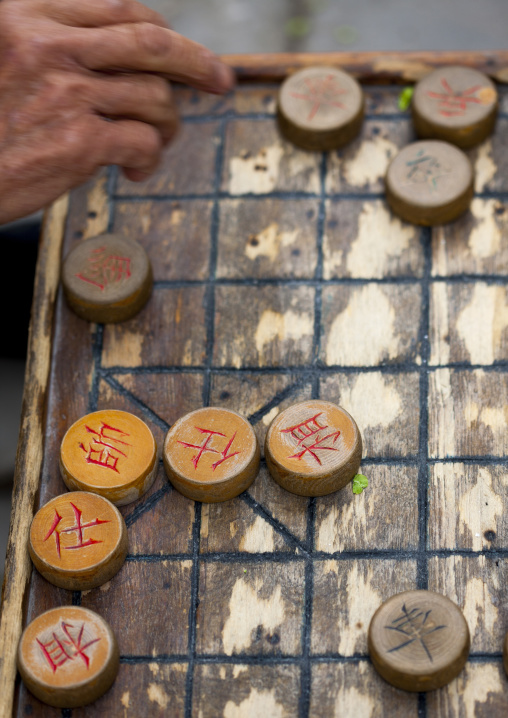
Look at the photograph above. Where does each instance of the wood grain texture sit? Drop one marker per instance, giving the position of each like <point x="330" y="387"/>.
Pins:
<point x="30" y="453"/>
<point x="250" y="327"/>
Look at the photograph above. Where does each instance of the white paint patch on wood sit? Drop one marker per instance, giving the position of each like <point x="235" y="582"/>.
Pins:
<point x="439" y="252"/>
<point x="481" y="323"/>
<point x="270" y="416"/>
<point x="484" y="168"/>
<point x="339" y="524"/>
<point x="370" y="308"/>
<point x="238" y="670"/>
<point x="442" y="414"/>
<point x="270" y="241"/>
<point x="125" y="699"/>
<point x="244" y="178"/>
<point x="480" y="507"/>
<point x="154" y="668"/>
<point x="370" y="163"/>
<point x="332" y="258"/>
<point x="381" y="237"/>
<point x="471" y="691"/>
<point x="479" y="611"/>
<point x="439" y="324"/>
<point x="287" y="326"/>
<point x="258" y="538"/>
<point x="259" y="704"/>
<point x="247" y="611"/>
<point x="371" y="400"/>
<point x="350" y="702"/>
<point x="362" y="601"/>
<point x="156" y="694"/>
<point x="485" y="237"/>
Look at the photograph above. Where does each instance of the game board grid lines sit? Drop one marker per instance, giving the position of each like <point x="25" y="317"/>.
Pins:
<point x="307" y="373"/>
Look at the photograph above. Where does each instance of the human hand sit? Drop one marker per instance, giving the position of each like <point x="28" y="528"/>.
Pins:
<point x="83" y="85"/>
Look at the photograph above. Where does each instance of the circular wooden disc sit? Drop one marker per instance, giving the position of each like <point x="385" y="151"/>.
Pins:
<point x="111" y="453"/>
<point x="68" y="656"/>
<point x="429" y="182"/>
<point x="78" y="541"/>
<point x="456" y="104"/>
<point x="320" y="108"/>
<point x="107" y="278"/>
<point x="313" y="448"/>
<point x="211" y="455"/>
<point x="418" y="640"/>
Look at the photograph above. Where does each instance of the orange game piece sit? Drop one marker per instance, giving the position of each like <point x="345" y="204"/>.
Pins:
<point x="211" y="455"/>
<point x="78" y="541"/>
<point x="68" y="657"/>
<point x="111" y="453"/>
<point x="313" y="448"/>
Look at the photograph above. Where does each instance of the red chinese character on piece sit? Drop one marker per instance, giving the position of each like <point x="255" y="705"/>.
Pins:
<point x="78" y="528"/>
<point x="321" y="91"/>
<point x="310" y="428"/>
<point x="59" y="649"/>
<point x="104" y="269"/>
<point x="452" y="103"/>
<point x="204" y="447"/>
<point x="103" y="449"/>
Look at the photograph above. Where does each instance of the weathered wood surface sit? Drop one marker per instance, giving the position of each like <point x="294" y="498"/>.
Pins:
<point x="280" y="276"/>
<point x="368" y="66"/>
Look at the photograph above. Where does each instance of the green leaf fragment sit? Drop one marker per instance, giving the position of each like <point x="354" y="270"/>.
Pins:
<point x="360" y="482"/>
<point x="297" y="26"/>
<point x="405" y="98"/>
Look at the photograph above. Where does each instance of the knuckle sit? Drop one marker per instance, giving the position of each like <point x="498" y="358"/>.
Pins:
<point x="118" y="10"/>
<point x="151" y="39"/>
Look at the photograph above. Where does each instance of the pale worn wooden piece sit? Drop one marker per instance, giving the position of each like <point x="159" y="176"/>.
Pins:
<point x="505" y="654"/>
<point x="320" y="108"/>
<point x="455" y="104"/>
<point x="78" y="541"/>
<point x="111" y="453"/>
<point x="211" y="455"/>
<point x="68" y="656"/>
<point x="313" y="448"/>
<point x="429" y="182"/>
<point x="107" y="278"/>
<point x="418" y="640"/>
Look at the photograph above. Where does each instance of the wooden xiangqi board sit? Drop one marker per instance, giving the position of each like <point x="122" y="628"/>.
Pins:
<point x="279" y="276"/>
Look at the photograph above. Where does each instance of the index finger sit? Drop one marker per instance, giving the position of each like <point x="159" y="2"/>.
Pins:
<point x="145" y="47"/>
<point x="96" y="13"/>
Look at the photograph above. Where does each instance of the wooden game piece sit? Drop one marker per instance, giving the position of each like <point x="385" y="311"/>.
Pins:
<point x="320" y="108"/>
<point x="455" y="104"/>
<point x="429" y="182"/>
<point x="505" y="653"/>
<point x="78" y="541"/>
<point x="418" y="640"/>
<point x="313" y="448"/>
<point x="107" y="278"/>
<point x="68" y="657"/>
<point x="111" y="453"/>
<point x="211" y="455"/>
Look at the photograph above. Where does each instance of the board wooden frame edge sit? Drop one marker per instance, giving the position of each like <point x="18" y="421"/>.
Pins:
<point x="367" y="67"/>
<point x="30" y="445"/>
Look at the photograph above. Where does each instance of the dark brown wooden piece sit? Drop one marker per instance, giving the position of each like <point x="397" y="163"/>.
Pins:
<point x="68" y="657"/>
<point x="429" y="182"/>
<point x="211" y="455"/>
<point x="455" y="104"/>
<point x="78" y="541"/>
<point x="418" y="640"/>
<point x="111" y="453"/>
<point x="313" y="448"/>
<point x="107" y="278"/>
<point x="320" y="108"/>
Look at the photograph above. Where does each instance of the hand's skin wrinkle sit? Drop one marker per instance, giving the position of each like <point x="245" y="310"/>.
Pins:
<point x="87" y="85"/>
